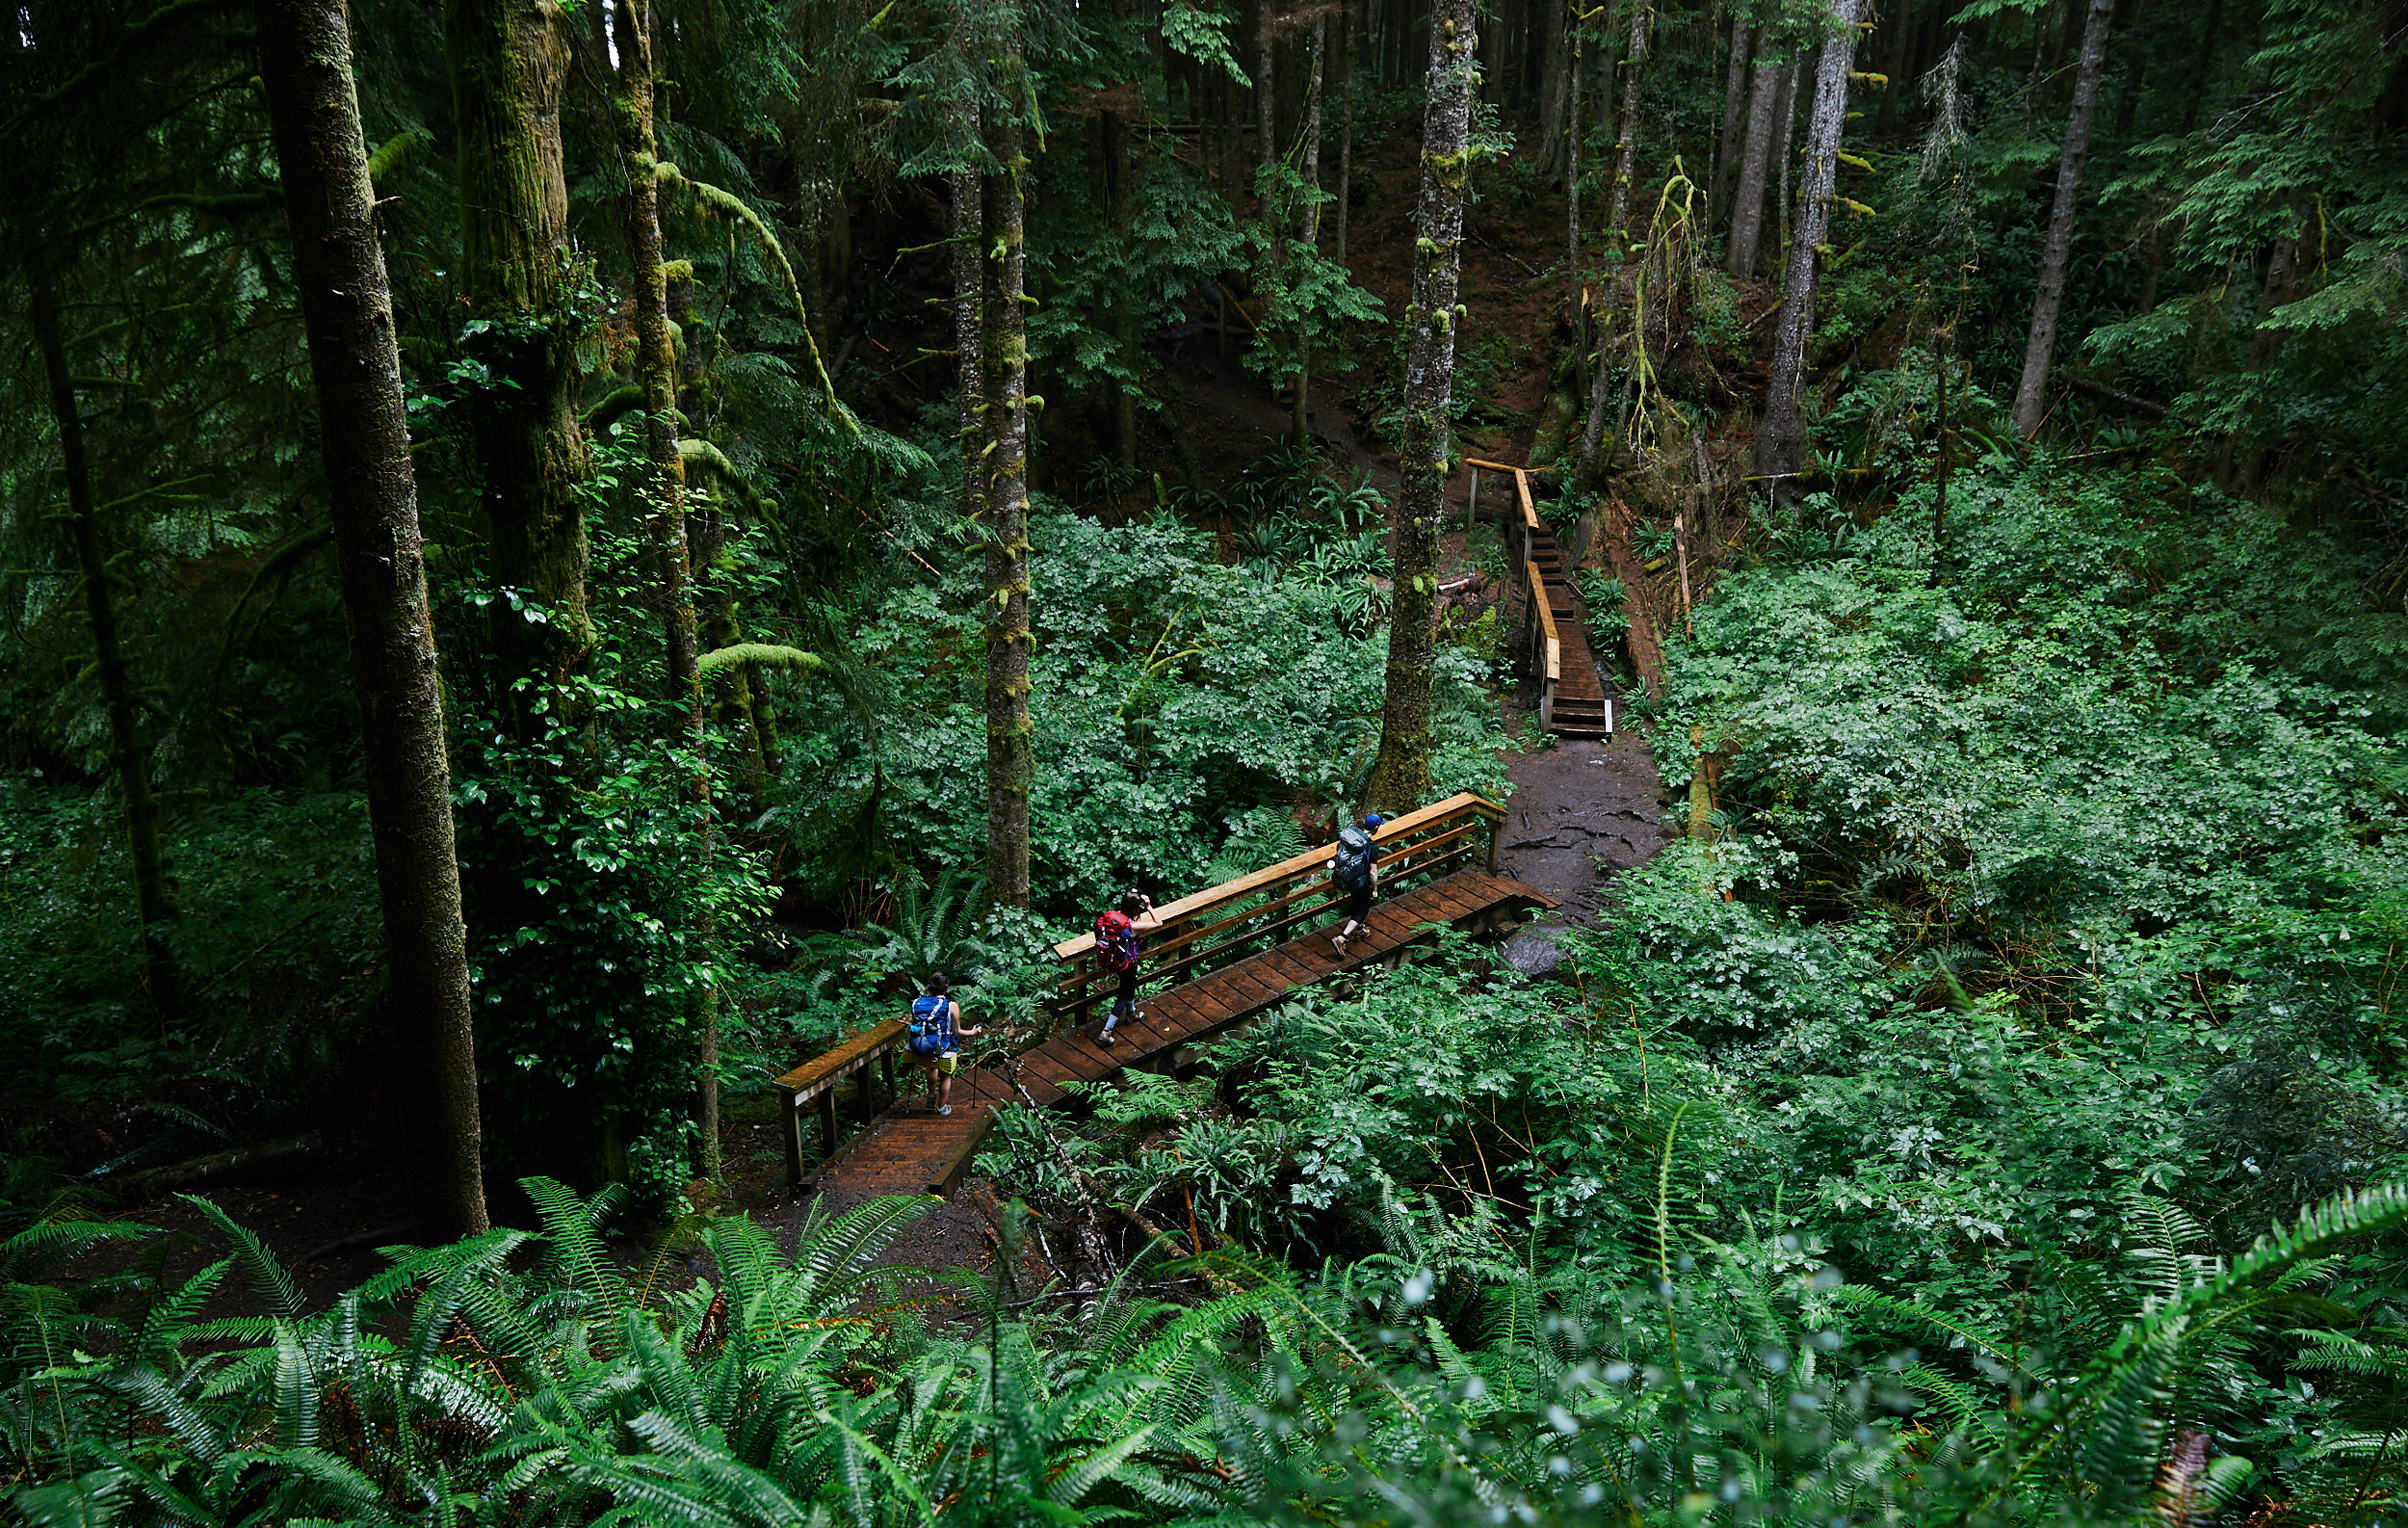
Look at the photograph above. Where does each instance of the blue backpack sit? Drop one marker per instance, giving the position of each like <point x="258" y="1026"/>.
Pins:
<point x="932" y="1026"/>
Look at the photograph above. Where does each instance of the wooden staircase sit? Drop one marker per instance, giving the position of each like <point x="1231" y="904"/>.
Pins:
<point x="1571" y="701"/>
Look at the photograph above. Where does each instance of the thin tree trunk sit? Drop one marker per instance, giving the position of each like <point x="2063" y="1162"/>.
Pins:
<point x="1554" y="68"/>
<point x="969" y="262"/>
<point x="1352" y="24"/>
<point x="508" y="59"/>
<point x="1786" y="109"/>
<point x="665" y="522"/>
<point x="154" y="906"/>
<point x="1755" y="159"/>
<point x="1400" y="776"/>
<point x="1301" y="429"/>
<point x="1734" y="118"/>
<point x="1266" y="91"/>
<point x="1600" y="403"/>
<point x="1781" y="442"/>
<point x="1579" y="295"/>
<point x="347" y="310"/>
<point x="1005" y="351"/>
<point x="2040" y="344"/>
<point x="1634" y="92"/>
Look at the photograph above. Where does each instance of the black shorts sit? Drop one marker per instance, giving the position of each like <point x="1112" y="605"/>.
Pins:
<point x="1359" y="902"/>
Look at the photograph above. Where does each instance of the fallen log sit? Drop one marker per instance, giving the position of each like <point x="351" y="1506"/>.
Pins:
<point x="259" y="1158"/>
<point x="2133" y="401"/>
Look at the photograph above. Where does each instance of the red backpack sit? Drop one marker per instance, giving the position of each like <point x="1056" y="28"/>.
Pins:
<point x="1116" y="943"/>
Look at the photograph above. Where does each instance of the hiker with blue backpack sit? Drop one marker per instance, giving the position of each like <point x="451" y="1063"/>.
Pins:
<point x="1116" y="951"/>
<point x="1354" y="871"/>
<point x="936" y="1029"/>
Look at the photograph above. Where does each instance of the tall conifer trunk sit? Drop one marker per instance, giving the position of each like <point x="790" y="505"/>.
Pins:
<point x="665" y="518"/>
<point x="1352" y="23"/>
<point x="508" y="59"/>
<point x="1781" y="442"/>
<point x="128" y="760"/>
<point x="347" y="310"/>
<point x="1634" y="92"/>
<point x="1734" y="118"/>
<point x="969" y="268"/>
<point x="1765" y="94"/>
<point x="2031" y="391"/>
<point x="1400" y="776"/>
<point x="1004" y="351"/>
<point x="1302" y="426"/>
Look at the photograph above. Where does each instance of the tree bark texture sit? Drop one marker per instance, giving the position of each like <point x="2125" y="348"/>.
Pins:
<point x="347" y="310"/>
<point x="1571" y="184"/>
<point x="1785" y="122"/>
<point x="1634" y="94"/>
<point x="1004" y="348"/>
<point x="1553" y="75"/>
<point x="2040" y="344"/>
<point x="508" y="59"/>
<point x="1352" y="23"/>
<point x="1755" y="159"/>
<point x="1265" y="89"/>
<point x="969" y="271"/>
<point x="1734" y="118"/>
<point x="1781" y="442"/>
<point x="1400" y="776"/>
<point x="128" y="760"/>
<point x="1301" y="427"/>
<point x="665" y="518"/>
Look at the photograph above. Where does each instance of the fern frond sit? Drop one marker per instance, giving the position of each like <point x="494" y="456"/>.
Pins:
<point x="268" y="1276"/>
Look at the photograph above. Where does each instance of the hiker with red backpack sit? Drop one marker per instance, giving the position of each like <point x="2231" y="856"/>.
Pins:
<point x="1354" y="871"/>
<point x="1116" y="951"/>
<point x="936" y="1028"/>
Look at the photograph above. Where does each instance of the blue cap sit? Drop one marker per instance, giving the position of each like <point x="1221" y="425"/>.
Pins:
<point x="1370" y="824"/>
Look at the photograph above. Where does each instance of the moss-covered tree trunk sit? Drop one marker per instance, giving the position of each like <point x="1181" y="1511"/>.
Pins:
<point x="508" y="59"/>
<point x="1634" y="92"/>
<point x="1400" y="776"/>
<point x="128" y="760"/>
<point x="347" y="310"/>
<point x="1004" y="356"/>
<point x="1781" y="442"/>
<point x="665" y="518"/>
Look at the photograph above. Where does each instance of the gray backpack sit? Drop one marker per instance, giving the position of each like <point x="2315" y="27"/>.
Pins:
<point x="1352" y="868"/>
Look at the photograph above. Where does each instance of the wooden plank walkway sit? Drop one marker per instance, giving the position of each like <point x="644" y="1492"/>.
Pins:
<point x="915" y="1150"/>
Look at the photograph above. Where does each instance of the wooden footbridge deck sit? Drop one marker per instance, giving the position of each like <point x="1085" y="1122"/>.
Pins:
<point x="1230" y="952"/>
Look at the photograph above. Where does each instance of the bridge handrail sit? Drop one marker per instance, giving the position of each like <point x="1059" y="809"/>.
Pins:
<point x="1546" y="648"/>
<point x="1417" y="844"/>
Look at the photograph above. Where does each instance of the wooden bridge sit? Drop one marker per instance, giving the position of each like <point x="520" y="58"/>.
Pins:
<point x="1571" y="701"/>
<point x="1229" y="953"/>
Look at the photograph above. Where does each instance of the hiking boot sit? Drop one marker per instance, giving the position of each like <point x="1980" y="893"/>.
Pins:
<point x="945" y="1108"/>
<point x="1104" y="1038"/>
<point x="1338" y="942"/>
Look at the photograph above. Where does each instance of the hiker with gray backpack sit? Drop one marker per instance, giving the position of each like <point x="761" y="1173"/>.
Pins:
<point x="1354" y="871"/>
